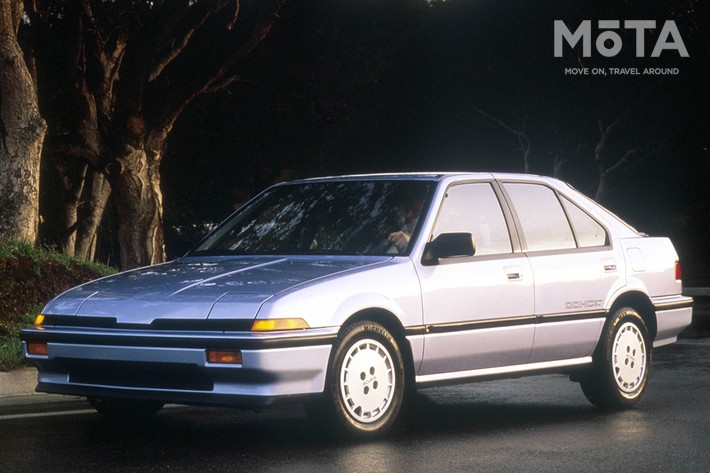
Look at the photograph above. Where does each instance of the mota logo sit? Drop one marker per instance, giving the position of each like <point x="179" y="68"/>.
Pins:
<point x="609" y="43"/>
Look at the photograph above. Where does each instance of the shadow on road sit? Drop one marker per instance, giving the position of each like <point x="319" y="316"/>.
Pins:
<point x="182" y="429"/>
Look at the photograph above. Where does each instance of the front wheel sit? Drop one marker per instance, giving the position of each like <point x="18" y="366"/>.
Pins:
<point x="366" y="380"/>
<point x="622" y="362"/>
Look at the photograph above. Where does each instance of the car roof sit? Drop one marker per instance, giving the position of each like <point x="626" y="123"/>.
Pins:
<point x="428" y="176"/>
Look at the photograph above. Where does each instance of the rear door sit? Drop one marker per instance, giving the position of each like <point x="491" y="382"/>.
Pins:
<point x="575" y="267"/>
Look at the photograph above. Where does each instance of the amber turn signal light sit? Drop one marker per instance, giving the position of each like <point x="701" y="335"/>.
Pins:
<point x="268" y="325"/>
<point x="224" y="356"/>
<point x="35" y="348"/>
<point x="39" y="320"/>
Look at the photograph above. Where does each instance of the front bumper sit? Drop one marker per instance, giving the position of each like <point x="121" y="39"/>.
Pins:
<point x="172" y="366"/>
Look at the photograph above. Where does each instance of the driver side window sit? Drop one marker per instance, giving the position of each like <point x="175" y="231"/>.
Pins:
<point x="475" y="209"/>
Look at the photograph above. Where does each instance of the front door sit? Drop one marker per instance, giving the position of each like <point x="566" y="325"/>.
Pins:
<point x="479" y="310"/>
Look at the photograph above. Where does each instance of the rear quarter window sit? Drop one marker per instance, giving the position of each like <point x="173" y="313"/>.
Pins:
<point x="589" y="232"/>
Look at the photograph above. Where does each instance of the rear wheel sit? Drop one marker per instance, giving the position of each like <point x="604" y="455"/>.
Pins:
<point x="622" y="362"/>
<point x="125" y="410"/>
<point x="366" y="381"/>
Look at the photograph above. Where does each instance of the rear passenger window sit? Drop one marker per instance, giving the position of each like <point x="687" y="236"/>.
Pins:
<point x="475" y="209"/>
<point x="589" y="232"/>
<point x="544" y="223"/>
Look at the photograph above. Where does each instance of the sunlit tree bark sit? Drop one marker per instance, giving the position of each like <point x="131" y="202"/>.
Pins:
<point x="21" y="134"/>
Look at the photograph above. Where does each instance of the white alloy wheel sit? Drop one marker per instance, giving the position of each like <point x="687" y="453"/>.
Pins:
<point x="621" y="362"/>
<point x="629" y="359"/>
<point x="367" y="380"/>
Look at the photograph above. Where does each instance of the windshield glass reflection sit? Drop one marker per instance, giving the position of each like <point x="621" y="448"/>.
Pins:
<point x="330" y="218"/>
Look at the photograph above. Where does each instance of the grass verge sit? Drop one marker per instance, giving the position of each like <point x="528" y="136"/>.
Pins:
<point x="29" y="277"/>
<point x="10" y="345"/>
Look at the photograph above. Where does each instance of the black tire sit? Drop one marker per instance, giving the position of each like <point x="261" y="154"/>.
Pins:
<point x="126" y="410"/>
<point x="621" y="363"/>
<point x="366" y="381"/>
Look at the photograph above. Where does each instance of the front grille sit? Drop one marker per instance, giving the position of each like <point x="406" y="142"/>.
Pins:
<point x="137" y="374"/>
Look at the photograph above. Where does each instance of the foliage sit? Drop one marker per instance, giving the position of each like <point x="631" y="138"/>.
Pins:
<point x="10" y="344"/>
<point x="29" y="277"/>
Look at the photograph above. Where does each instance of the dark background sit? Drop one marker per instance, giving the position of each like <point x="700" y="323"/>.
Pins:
<point x="375" y="86"/>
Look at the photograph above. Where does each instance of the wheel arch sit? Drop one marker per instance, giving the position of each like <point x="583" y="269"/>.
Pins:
<point x="393" y="325"/>
<point x="643" y="305"/>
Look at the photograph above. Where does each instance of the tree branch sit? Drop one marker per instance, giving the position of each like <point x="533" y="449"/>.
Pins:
<point x="173" y="43"/>
<point x="222" y="76"/>
<point x="221" y="83"/>
<point x="89" y="12"/>
<point x="520" y="133"/>
<point x="268" y="15"/>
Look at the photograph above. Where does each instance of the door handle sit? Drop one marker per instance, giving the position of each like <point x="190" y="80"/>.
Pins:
<point x="609" y="265"/>
<point x="513" y="273"/>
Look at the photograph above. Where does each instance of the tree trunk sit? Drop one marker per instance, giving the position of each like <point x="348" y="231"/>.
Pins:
<point x="91" y="210"/>
<point x="135" y="186"/>
<point x="21" y="134"/>
<point x="74" y="195"/>
<point x="132" y="71"/>
<point x="601" y="188"/>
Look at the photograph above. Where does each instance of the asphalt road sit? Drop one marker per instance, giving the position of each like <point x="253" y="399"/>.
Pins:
<point x="533" y="424"/>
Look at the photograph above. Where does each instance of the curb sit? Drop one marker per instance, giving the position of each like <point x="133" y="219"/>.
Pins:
<point x="21" y="382"/>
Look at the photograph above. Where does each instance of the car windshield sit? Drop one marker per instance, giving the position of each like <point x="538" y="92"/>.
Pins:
<point x="326" y="217"/>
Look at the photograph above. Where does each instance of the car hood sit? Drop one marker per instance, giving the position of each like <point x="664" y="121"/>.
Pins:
<point x="191" y="288"/>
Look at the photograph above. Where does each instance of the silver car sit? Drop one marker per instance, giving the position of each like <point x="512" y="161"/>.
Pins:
<point x="348" y="293"/>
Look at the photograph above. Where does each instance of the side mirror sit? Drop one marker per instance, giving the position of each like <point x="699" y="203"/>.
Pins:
<point x="449" y="245"/>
